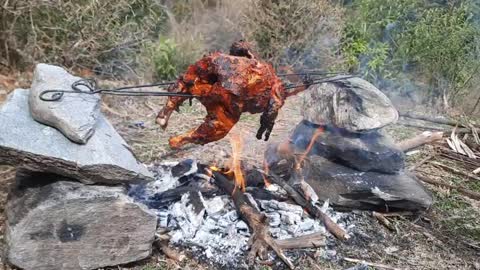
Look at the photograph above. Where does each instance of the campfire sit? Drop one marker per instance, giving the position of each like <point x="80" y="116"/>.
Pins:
<point x="219" y="214"/>
<point x="79" y="185"/>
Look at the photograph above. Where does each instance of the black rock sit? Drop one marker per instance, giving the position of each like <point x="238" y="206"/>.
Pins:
<point x="347" y="188"/>
<point x="362" y="151"/>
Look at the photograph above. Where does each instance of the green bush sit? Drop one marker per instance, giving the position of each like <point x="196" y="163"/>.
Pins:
<point x="163" y="57"/>
<point x="170" y="58"/>
<point x="435" y="43"/>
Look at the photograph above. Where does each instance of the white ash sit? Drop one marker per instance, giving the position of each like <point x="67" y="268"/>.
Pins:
<point x="216" y="231"/>
<point x="222" y="236"/>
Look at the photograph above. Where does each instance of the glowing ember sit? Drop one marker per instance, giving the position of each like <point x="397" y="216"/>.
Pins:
<point x="214" y="168"/>
<point x="237" y="143"/>
<point x="302" y="157"/>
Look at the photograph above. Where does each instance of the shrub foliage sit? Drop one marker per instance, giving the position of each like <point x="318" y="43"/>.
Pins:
<point x="436" y="41"/>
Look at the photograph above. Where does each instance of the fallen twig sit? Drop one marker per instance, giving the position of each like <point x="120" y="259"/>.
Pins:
<point x="447" y="130"/>
<point x="471" y="194"/>
<point x="419" y="140"/>
<point x="379" y="265"/>
<point x="383" y="220"/>
<point x="162" y="244"/>
<point x="454" y="170"/>
<point x="170" y="252"/>
<point x="432" y="119"/>
<point x="421" y="162"/>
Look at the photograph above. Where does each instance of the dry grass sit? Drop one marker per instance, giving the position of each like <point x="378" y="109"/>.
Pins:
<point x="301" y="33"/>
<point x="100" y="35"/>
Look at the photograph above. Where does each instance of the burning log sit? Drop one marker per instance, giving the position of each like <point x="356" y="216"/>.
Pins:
<point x="312" y="209"/>
<point x="261" y="239"/>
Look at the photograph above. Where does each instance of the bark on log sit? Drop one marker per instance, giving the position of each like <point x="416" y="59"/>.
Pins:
<point x="312" y="240"/>
<point x="423" y="138"/>
<point x="261" y="239"/>
<point x="316" y="212"/>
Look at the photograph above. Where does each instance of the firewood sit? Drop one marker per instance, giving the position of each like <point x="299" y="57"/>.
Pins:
<point x="171" y="253"/>
<point x="471" y="194"/>
<point x="261" y="239"/>
<point x="424" y="138"/>
<point x="312" y="209"/>
<point x="311" y="240"/>
<point x="383" y="220"/>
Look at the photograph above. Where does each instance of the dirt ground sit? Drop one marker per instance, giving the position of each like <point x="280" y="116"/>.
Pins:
<point x="445" y="237"/>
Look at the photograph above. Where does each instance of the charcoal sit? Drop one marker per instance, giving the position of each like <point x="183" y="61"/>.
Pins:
<point x="185" y="167"/>
<point x="347" y="188"/>
<point x="365" y="152"/>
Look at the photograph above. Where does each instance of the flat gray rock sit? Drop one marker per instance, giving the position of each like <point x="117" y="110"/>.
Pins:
<point x="68" y="226"/>
<point x="24" y="142"/>
<point x="75" y="115"/>
<point x="352" y="104"/>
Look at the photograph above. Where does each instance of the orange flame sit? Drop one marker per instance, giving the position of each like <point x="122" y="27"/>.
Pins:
<point x="215" y="168"/>
<point x="267" y="169"/>
<point x="237" y="143"/>
<point x="302" y="157"/>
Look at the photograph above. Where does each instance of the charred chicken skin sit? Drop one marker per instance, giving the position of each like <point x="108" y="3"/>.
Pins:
<point x="227" y="85"/>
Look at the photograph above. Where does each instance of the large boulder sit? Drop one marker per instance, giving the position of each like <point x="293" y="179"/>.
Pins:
<point x="347" y="188"/>
<point x="75" y="115"/>
<point x="352" y="104"/>
<point x="105" y="158"/>
<point x="365" y="152"/>
<point x="68" y="225"/>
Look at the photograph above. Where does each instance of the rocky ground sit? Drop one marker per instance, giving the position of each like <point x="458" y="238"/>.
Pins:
<point x="446" y="237"/>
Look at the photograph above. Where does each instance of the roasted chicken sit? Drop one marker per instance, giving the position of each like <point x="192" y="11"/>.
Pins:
<point x="227" y="85"/>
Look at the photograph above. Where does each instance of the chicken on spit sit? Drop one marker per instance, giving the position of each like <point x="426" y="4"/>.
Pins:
<point x="227" y="85"/>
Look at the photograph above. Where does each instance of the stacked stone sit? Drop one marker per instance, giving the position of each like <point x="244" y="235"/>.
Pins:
<point x="352" y="162"/>
<point x="68" y="208"/>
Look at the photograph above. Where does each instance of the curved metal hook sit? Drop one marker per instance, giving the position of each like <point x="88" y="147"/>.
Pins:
<point x="57" y="95"/>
